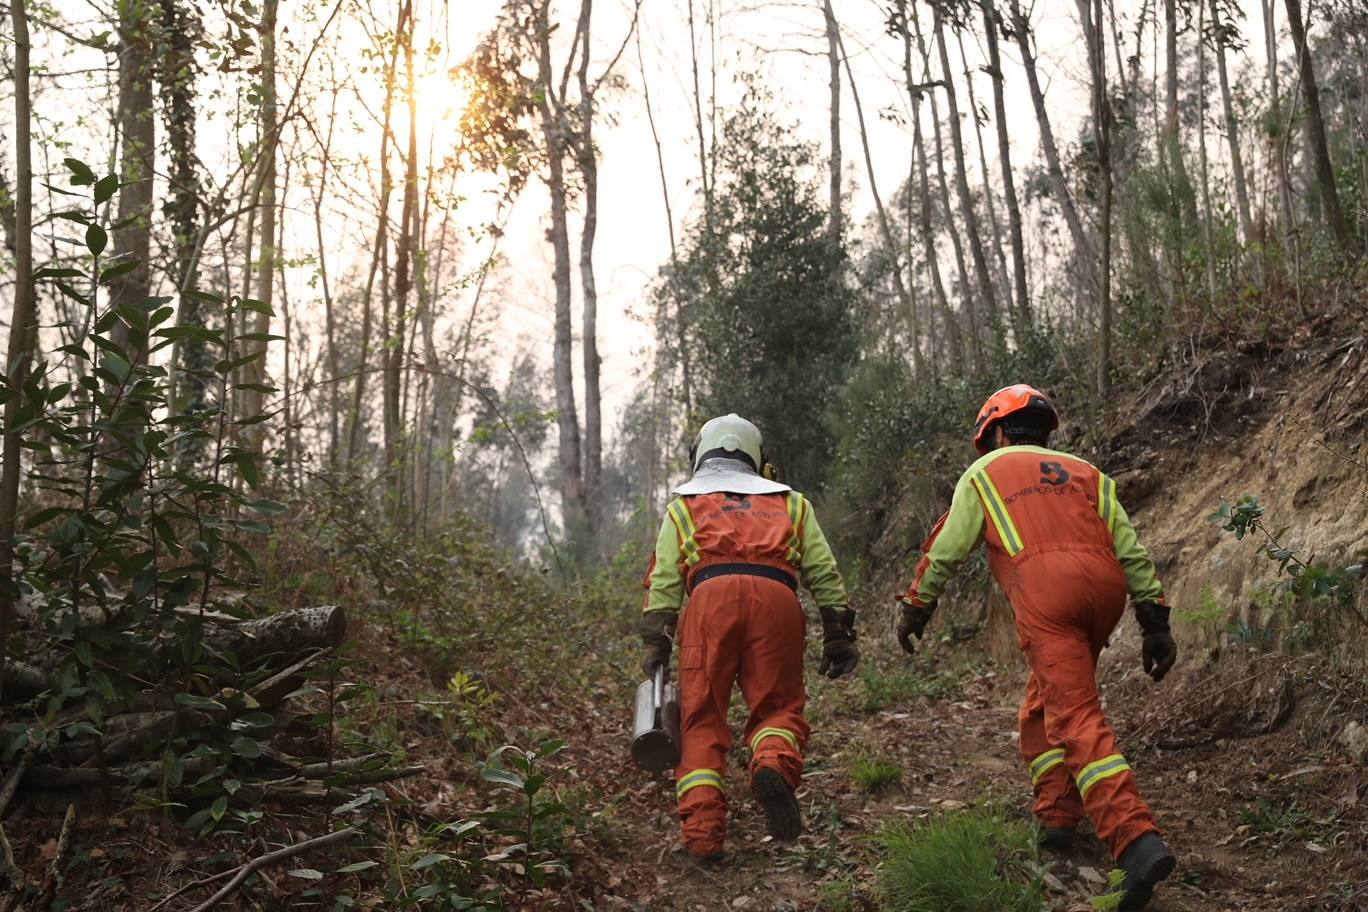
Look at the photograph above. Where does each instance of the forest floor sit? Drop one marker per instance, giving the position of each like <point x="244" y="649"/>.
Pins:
<point x="1246" y="753"/>
<point x="1263" y="808"/>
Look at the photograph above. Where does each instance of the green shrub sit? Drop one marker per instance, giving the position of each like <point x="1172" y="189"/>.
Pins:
<point x="875" y="774"/>
<point x="972" y="861"/>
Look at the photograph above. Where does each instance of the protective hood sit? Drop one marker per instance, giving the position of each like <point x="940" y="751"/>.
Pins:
<point x="731" y="476"/>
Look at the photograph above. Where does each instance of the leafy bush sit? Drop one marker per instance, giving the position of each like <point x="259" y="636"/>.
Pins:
<point x="1310" y="599"/>
<point x="972" y="861"/>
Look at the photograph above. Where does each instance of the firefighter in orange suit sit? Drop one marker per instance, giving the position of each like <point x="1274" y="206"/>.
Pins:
<point x="739" y="544"/>
<point x="1065" y="553"/>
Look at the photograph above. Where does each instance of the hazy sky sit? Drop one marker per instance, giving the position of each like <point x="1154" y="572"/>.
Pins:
<point x="782" y="41"/>
<point x="785" y="42"/>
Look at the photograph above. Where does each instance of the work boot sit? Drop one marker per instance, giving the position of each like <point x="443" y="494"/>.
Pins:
<point x="783" y="817"/>
<point x="1058" y="838"/>
<point x="1146" y="861"/>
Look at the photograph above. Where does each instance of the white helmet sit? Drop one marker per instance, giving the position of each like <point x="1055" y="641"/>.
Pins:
<point x="731" y="437"/>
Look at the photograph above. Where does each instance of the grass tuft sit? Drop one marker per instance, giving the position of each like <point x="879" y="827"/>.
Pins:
<point x="971" y="861"/>
<point x="886" y="688"/>
<point x="875" y="774"/>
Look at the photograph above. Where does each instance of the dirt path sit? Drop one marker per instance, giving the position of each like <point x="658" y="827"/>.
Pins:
<point x="1272" y="821"/>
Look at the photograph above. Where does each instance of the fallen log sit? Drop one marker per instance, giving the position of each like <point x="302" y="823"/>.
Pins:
<point x="345" y="772"/>
<point x="23" y="680"/>
<point x="127" y="734"/>
<point x="273" y="691"/>
<point x="287" y="633"/>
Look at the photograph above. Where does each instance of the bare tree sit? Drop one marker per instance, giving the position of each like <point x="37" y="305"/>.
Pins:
<point x="920" y="165"/>
<point x="833" y="38"/>
<point x="1208" y="233"/>
<point x="254" y="372"/>
<point x="973" y="342"/>
<point x="999" y="258"/>
<point x="968" y="215"/>
<point x="554" y="137"/>
<point x="23" y="324"/>
<point x="137" y="159"/>
<point x="1021" y="299"/>
<point x="906" y="297"/>
<point x="1101" y="116"/>
<point x="1315" y="129"/>
<point x="1022" y="27"/>
<point x="1225" y="35"/>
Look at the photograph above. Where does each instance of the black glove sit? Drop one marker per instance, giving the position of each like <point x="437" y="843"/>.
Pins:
<point x="657" y="635"/>
<point x="913" y="623"/>
<point x="1158" y="652"/>
<point x="840" y="655"/>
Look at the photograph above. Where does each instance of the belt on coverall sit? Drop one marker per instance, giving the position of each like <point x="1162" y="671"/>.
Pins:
<point x="715" y="570"/>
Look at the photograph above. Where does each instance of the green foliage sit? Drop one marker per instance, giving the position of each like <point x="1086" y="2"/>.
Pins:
<point x="127" y="543"/>
<point x="469" y="864"/>
<point x="838" y="896"/>
<point x="1275" y="818"/>
<point x="891" y="688"/>
<point x="767" y="322"/>
<point x="972" y="861"/>
<point x="1314" y="598"/>
<point x="875" y="774"/>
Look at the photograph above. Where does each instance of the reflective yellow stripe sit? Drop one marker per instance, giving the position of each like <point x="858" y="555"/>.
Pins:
<point x="1106" y="501"/>
<point x="997" y="512"/>
<point x="1046" y="762"/>
<point x="684" y="525"/>
<point x="796" y="508"/>
<point x="1095" y="772"/>
<point x="695" y="779"/>
<point x="764" y="733"/>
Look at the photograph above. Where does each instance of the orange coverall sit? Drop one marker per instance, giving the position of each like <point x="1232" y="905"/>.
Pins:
<point x="1065" y="553"/>
<point x="740" y="558"/>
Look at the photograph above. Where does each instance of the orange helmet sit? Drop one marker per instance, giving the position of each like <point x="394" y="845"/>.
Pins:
<point x="1011" y="400"/>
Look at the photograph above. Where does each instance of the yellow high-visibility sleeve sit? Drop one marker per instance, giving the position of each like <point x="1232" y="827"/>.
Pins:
<point x="1141" y="577"/>
<point x="817" y="566"/>
<point x="667" y="578"/>
<point x="953" y="539"/>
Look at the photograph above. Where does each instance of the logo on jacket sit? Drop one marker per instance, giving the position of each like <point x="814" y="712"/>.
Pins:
<point x="735" y="502"/>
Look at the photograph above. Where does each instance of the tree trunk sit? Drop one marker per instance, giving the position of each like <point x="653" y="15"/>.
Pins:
<point x="834" y="83"/>
<point x="1208" y="232"/>
<point x="396" y="347"/>
<point x="1022" y="298"/>
<point x="379" y="256"/>
<point x="1232" y="125"/>
<point x="955" y="342"/>
<point x="680" y="312"/>
<point x="999" y="258"/>
<point x="254" y="372"/>
<point x="966" y="202"/>
<point x="1315" y="128"/>
<point x="177" y="72"/>
<point x="137" y="162"/>
<point x="1102" y="132"/>
<point x="971" y="335"/>
<point x="1083" y="246"/>
<point x="329" y="320"/>
<point x="23" y="324"/>
<point x="1278" y="140"/>
<point x="588" y="167"/>
<point x="906" y="297"/>
<point x="1182" y="210"/>
<point x="563" y="370"/>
